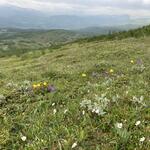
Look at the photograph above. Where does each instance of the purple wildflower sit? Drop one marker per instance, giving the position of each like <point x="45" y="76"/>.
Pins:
<point x="139" y="62"/>
<point x="51" y="88"/>
<point x="95" y="74"/>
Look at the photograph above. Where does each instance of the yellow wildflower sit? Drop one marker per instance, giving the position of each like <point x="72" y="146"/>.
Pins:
<point x="34" y="86"/>
<point x="45" y="83"/>
<point x="111" y="70"/>
<point x="83" y="75"/>
<point x="38" y="85"/>
<point x="132" y="61"/>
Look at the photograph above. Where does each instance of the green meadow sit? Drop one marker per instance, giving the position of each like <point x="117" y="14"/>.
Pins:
<point x="85" y="95"/>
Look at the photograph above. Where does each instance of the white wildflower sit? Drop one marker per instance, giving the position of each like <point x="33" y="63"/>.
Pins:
<point x="97" y="111"/>
<point x="142" y="139"/>
<point x="23" y="138"/>
<point x="53" y="104"/>
<point x="54" y="111"/>
<point x="138" y="123"/>
<point x="93" y="110"/>
<point x="83" y="112"/>
<point x="119" y="125"/>
<point x="74" y="145"/>
<point x="9" y="84"/>
<point x="65" y="111"/>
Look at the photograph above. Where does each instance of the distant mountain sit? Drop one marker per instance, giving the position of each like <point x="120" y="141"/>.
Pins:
<point x="107" y="29"/>
<point x="15" y="17"/>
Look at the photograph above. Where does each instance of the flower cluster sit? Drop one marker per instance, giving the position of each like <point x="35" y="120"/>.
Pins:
<point x="39" y="85"/>
<point x="43" y="87"/>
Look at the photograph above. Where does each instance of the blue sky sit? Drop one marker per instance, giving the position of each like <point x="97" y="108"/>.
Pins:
<point x="134" y="8"/>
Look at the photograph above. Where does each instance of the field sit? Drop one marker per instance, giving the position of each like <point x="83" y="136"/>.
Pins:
<point x="84" y="95"/>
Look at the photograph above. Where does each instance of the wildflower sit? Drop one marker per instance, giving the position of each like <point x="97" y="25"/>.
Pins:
<point x="83" y="112"/>
<point x="51" y="88"/>
<point x="53" y="104"/>
<point x="139" y="62"/>
<point x="97" y="111"/>
<point x="38" y="85"/>
<point x="54" y="111"/>
<point x="111" y="70"/>
<point x="11" y="85"/>
<point x="119" y="125"/>
<point x="45" y="83"/>
<point x="95" y="74"/>
<point x="83" y="75"/>
<point x="65" y="111"/>
<point x="74" y="145"/>
<point x="132" y="61"/>
<point x="34" y="86"/>
<point x="23" y="138"/>
<point x="137" y="123"/>
<point x="127" y="92"/>
<point x="93" y="110"/>
<point x="142" y="139"/>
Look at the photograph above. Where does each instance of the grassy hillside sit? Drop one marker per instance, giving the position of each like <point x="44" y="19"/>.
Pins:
<point x="105" y="30"/>
<point x="134" y="33"/>
<point x="89" y="95"/>
<point x="17" y="41"/>
<point x="20" y="41"/>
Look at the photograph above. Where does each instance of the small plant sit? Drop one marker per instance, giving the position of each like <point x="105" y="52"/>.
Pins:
<point x="98" y="105"/>
<point x="139" y="68"/>
<point x="124" y="136"/>
<point x="139" y="101"/>
<point x="2" y="99"/>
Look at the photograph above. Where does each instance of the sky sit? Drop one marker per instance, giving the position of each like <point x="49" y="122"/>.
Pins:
<point x="133" y="8"/>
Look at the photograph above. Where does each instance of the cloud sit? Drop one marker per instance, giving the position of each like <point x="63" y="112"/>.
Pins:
<point x="129" y="7"/>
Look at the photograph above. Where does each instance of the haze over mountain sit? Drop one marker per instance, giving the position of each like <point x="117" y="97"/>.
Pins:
<point x="17" y="17"/>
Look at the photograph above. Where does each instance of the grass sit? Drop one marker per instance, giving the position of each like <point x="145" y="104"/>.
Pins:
<point x="71" y="117"/>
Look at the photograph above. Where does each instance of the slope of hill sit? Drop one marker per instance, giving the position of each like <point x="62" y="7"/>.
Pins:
<point x="17" y="41"/>
<point x="107" y="29"/>
<point x="134" y="33"/>
<point x="84" y="95"/>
